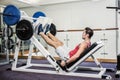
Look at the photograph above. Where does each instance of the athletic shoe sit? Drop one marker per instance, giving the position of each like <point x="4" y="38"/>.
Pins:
<point x="47" y="29"/>
<point x="40" y="29"/>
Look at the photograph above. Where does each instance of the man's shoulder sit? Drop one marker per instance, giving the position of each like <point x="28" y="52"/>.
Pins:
<point x="83" y="43"/>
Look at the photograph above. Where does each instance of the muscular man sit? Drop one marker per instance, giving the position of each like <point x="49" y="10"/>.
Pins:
<point x="62" y="50"/>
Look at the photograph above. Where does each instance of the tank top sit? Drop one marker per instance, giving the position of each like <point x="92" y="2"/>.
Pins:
<point x="74" y="51"/>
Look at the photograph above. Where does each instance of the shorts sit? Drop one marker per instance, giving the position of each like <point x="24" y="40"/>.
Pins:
<point x="63" y="52"/>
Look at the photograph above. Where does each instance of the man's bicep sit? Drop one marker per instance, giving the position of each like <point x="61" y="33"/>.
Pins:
<point x="81" y="49"/>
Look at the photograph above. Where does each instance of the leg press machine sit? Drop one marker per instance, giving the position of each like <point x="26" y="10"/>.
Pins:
<point x="69" y="70"/>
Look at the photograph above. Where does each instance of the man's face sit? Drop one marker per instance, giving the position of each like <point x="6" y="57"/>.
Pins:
<point x="84" y="35"/>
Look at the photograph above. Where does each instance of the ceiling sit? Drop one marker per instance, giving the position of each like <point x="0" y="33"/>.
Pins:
<point x="34" y="2"/>
<point x="14" y="2"/>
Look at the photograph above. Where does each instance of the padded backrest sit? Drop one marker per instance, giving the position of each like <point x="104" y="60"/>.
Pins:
<point x="82" y="55"/>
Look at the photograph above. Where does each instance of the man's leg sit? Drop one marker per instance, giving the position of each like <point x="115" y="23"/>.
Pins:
<point x="52" y="37"/>
<point x="51" y="42"/>
<point x="47" y="32"/>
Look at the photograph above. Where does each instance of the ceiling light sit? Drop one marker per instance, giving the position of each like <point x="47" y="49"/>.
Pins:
<point x="95" y="0"/>
<point x="28" y="1"/>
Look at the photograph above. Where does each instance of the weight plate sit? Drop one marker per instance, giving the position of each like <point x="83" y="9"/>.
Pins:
<point x="12" y="15"/>
<point x="53" y="29"/>
<point x="9" y="44"/>
<point x="24" y="30"/>
<point x="8" y="32"/>
<point x="38" y="14"/>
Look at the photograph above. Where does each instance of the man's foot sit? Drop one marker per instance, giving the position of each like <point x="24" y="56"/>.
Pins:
<point x="40" y="29"/>
<point x="47" y="29"/>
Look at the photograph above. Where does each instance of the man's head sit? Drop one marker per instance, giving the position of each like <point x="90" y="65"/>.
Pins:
<point x="87" y="33"/>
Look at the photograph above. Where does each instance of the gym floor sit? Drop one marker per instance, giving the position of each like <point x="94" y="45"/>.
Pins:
<point x="7" y="74"/>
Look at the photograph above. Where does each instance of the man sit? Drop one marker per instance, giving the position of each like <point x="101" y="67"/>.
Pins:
<point x="67" y="56"/>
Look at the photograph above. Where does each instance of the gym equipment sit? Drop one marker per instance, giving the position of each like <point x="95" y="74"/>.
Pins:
<point x="11" y="15"/>
<point x="38" y="14"/>
<point x="117" y="75"/>
<point x="6" y="45"/>
<point x="24" y="30"/>
<point x="9" y="44"/>
<point x="53" y="29"/>
<point x="69" y="70"/>
<point x="9" y="32"/>
<point x="118" y="62"/>
<point x="54" y="64"/>
<point x="118" y="66"/>
<point x="116" y="21"/>
<point x="6" y="60"/>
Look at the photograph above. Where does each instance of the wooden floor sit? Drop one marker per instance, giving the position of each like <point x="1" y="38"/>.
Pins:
<point x="24" y="56"/>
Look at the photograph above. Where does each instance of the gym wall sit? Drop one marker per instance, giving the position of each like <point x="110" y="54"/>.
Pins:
<point x="78" y="15"/>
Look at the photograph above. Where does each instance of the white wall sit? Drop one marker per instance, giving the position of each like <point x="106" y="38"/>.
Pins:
<point x="78" y="15"/>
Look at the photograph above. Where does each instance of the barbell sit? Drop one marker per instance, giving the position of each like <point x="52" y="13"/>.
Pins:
<point x="12" y="15"/>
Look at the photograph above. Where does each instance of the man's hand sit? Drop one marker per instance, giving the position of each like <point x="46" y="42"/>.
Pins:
<point x="63" y="63"/>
